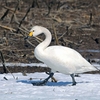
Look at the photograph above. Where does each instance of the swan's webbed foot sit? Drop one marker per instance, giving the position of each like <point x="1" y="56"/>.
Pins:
<point x="74" y="83"/>
<point x="44" y="81"/>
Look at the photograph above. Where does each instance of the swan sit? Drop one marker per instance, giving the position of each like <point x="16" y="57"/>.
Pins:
<point x="59" y="58"/>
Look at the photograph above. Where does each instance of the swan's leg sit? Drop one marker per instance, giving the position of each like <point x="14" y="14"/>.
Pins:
<point x="44" y="81"/>
<point x="73" y="79"/>
<point x="53" y="79"/>
<point x="50" y="76"/>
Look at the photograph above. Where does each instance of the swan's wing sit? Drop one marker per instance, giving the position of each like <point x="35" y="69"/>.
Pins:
<point x="62" y="53"/>
<point x="69" y="58"/>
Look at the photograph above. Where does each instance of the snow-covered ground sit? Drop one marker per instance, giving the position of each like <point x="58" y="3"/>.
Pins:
<point x="87" y="88"/>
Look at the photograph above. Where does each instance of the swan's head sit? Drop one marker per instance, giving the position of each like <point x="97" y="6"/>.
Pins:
<point x="35" y="31"/>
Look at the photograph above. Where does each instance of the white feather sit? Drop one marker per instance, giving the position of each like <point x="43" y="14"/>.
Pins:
<point x="59" y="58"/>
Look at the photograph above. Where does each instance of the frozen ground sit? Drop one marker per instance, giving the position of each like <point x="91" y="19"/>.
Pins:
<point x="87" y="88"/>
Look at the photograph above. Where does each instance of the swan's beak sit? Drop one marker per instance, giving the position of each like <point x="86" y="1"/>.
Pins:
<point x="31" y="34"/>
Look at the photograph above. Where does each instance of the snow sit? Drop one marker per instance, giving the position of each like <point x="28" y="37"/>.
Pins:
<point x="87" y="88"/>
<point x="93" y="51"/>
<point x="24" y="64"/>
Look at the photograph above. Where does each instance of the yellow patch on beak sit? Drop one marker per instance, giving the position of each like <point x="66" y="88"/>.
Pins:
<point x="31" y="34"/>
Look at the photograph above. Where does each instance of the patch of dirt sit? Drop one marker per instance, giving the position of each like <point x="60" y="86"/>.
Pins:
<point x="76" y="22"/>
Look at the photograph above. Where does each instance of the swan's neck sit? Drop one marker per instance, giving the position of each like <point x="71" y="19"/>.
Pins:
<point x="43" y="45"/>
<point x="40" y="49"/>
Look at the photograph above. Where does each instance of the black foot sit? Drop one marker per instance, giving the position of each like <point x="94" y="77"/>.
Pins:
<point x="43" y="82"/>
<point x="74" y="84"/>
<point x="40" y="83"/>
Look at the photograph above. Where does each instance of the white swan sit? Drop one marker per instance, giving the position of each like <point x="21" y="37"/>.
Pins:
<point x="59" y="58"/>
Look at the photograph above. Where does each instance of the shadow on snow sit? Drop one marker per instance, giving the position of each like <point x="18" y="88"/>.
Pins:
<point x="48" y="83"/>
